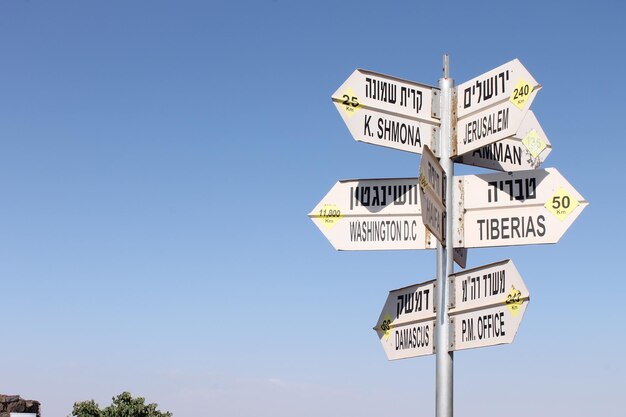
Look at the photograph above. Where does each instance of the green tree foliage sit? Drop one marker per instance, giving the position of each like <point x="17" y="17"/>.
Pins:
<point x="86" y="409"/>
<point x="124" y="405"/>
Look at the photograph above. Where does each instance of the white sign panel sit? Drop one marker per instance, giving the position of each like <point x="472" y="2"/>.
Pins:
<point x="517" y="208"/>
<point x="488" y="305"/>
<point x="486" y="327"/>
<point x="389" y="94"/>
<point x="495" y="284"/>
<point x="491" y="107"/>
<point x="406" y="323"/>
<point x="376" y="128"/>
<point x="377" y="214"/>
<point x="410" y="340"/>
<point x="527" y="149"/>
<point x="387" y="111"/>
<point x="432" y="193"/>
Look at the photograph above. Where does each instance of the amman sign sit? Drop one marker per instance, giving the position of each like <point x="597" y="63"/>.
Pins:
<point x="527" y="149"/>
<point x="387" y="111"/>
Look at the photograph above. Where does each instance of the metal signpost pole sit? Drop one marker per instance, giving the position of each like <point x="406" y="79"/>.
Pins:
<point x="445" y="364"/>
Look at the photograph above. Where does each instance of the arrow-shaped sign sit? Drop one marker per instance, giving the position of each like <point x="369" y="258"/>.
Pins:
<point x="489" y="303"/>
<point x="516" y="208"/>
<point x="527" y="149"/>
<point x="376" y="214"/>
<point x="487" y="307"/>
<point x="491" y="107"/>
<point x="387" y="111"/>
<point x="406" y="324"/>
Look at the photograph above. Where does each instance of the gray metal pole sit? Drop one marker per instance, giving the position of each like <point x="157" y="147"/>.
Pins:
<point x="445" y="358"/>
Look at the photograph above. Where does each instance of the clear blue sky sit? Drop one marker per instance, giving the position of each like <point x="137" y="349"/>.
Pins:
<point x="157" y="162"/>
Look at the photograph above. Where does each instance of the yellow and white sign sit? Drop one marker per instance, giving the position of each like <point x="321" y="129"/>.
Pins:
<point x="517" y="208"/>
<point x="387" y="111"/>
<point x="489" y="303"/>
<point x="377" y="214"/>
<point x="406" y="323"/>
<point x="527" y="149"/>
<point x="492" y="106"/>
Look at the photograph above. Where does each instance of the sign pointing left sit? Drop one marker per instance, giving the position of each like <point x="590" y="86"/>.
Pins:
<point x="378" y="214"/>
<point x="406" y="326"/>
<point x="387" y="111"/>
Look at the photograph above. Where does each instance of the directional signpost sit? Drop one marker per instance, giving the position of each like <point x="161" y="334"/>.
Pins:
<point x="527" y="149"/>
<point x="489" y="126"/>
<point x="387" y="111"/>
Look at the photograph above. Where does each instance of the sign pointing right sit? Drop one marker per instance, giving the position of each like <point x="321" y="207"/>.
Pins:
<point x="491" y="107"/>
<point x="489" y="303"/>
<point x="527" y="149"/>
<point x="516" y="208"/>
